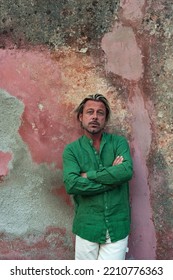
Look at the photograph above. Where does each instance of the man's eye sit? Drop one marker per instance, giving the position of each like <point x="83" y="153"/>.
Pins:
<point x="89" y="112"/>
<point x="101" y="113"/>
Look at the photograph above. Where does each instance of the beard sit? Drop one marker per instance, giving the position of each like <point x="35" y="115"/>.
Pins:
<point x="93" y="131"/>
<point x="93" y="128"/>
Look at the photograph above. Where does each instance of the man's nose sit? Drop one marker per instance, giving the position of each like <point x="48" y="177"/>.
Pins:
<point x="94" y="115"/>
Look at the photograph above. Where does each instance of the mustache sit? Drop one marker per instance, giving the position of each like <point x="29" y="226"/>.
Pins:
<point x="94" y="122"/>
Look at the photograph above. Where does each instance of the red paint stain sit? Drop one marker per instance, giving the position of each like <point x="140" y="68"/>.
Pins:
<point x="52" y="244"/>
<point x="35" y="79"/>
<point x="62" y="193"/>
<point x="5" y="158"/>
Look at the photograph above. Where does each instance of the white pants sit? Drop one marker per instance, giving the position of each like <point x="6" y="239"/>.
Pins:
<point x="86" y="250"/>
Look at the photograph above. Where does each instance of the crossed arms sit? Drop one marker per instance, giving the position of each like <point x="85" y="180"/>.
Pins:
<point x="96" y="181"/>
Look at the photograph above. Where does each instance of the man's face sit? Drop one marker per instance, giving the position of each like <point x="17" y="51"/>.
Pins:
<point x="93" y="118"/>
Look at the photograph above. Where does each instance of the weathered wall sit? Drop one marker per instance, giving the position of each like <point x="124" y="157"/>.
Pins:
<point x="52" y="54"/>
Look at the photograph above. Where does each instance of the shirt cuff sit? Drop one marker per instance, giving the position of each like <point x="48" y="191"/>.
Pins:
<point x="91" y="175"/>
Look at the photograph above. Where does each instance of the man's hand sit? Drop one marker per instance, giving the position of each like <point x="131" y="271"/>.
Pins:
<point x="118" y="160"/>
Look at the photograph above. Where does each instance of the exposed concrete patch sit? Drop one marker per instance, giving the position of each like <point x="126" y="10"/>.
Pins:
<point x="55" y="23"/>
<point x="10" y="113"/>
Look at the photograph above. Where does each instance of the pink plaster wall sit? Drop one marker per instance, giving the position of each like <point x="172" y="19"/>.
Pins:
<point x="46" y="125"/>
<point x="35" y="78"/>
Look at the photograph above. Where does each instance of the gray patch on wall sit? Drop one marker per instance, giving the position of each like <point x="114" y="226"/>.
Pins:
<point x="56" y="23"/>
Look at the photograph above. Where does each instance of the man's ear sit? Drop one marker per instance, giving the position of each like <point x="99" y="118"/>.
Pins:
<point x="80" y="117"/>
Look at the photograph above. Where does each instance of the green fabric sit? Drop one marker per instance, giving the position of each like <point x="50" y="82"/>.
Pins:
<point x="101" y="199"/>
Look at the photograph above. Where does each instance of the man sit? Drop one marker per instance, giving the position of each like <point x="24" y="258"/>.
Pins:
<point x="96" y="170"/>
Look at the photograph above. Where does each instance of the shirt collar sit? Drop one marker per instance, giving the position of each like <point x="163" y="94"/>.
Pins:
<point x="87" y="140"/>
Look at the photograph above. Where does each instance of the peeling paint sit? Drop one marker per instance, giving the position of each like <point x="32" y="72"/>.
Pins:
<point x="123" y="56"/>
<point x="53" y="243"/>
<point x="132" y="10"/>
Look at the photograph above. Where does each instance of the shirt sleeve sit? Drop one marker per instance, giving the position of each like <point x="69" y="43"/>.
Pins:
<point x="75" y="184"/>
<point x="116" y="174"/>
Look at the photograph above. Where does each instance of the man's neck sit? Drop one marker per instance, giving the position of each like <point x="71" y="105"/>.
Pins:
<point x="96" y="138"/>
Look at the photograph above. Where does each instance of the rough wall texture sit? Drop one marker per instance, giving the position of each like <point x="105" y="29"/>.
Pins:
<point x="53" y="53"/>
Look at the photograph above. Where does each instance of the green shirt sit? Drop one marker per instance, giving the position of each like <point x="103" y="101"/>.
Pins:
<point x="101" y="199"/>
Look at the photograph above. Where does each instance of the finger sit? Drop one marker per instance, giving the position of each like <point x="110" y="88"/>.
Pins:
<point x="118" y="160"/>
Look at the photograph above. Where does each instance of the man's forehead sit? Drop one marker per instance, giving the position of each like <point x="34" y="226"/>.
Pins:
<point x="94" y="104"/>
